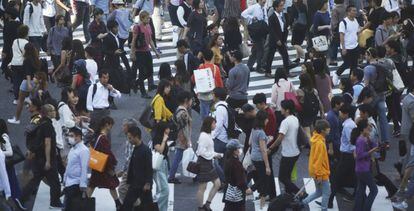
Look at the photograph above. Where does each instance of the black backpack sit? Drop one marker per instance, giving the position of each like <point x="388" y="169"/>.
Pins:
<point x="383" y="79"/>
<point x="48" y="99"/>
<point x="232" y="131"/>
<point x="310" y="104"/>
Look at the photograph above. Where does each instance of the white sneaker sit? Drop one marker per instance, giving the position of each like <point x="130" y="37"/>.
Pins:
<point x="400" y="205"/>
<point x="335" y="79"/>
<point x="27" y="100"/>
<point x="14" y="102"/>
<point x="13" y="121"/>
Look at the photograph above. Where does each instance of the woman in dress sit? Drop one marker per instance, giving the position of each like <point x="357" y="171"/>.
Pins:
<point x="65" y="56"/>
<point x="207" y="173"/>
<point x="31" y="64"/>
<point x="364" y="152"/>
<point x="159" y="144"/>
<point x="323" y="83"/>
<point x="106" y="179"/>
<point x="6" y="147"/>
<point x="299" y="13"/>
<point x="197" y="24"/>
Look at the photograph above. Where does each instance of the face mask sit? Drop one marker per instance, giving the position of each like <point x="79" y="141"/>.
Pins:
<point x="71" y="141"/>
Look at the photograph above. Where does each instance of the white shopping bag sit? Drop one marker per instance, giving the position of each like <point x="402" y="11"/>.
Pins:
<point x="320" y="43"/>
<point x="204" y="80"/>
<point x="397" y="81"/>
<point x="188" y="155"/>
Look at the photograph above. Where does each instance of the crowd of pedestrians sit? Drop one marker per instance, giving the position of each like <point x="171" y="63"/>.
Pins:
<point x="345" y="136"/>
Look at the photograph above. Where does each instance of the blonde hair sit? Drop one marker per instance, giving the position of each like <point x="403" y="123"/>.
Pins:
<point x="143" y="14"/>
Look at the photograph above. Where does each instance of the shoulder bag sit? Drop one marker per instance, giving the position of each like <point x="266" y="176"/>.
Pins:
<point x="97" y="160"/>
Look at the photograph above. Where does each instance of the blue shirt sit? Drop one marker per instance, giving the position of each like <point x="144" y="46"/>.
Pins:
<point x="346" y="145"/>
<point x="101" y="4"/>
<point x="122" y="18"/>
<point x="335" y="135"/>
<point x="357" y="90"/>
<point x="77" y="169"/>
<point x="147" y="5"/>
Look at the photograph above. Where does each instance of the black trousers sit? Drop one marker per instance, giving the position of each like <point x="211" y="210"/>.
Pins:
<point x="60" y="167"/>
<point x="133" y="194"/>
<point x="82" y="16"/>
<point x="257" y="54"/>
<point x="285" y="172"/>
<point x="17" y="78"/>
<point x="38" y="174"/>
<point x="71" y="192"/>
<point x="123" y="56"/>
<point x="350" y="60"/>
<point x="144" y="64"/>
<point x="271" y="54"/>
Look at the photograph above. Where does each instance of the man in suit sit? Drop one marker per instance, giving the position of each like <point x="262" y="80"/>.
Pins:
<point x="112" y="53"/>
<point x="278" y="32"/>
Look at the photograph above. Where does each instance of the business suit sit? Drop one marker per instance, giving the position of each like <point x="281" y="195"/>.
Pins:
<point x="276" y="34"/>
<point x="109" y="46"/>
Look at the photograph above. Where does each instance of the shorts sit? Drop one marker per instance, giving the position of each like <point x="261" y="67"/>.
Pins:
<point x="23" y="86"/>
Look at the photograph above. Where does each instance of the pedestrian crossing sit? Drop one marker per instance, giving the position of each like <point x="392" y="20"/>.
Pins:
<point x="104" y="201"/>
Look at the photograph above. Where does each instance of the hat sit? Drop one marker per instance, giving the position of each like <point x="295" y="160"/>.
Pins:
<point x="118" y="2"/>
<point x="247" y="108"/>
<point x="233" y="144"/>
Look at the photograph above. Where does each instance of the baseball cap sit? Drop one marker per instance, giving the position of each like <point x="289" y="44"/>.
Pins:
<point x="233" y="144"/>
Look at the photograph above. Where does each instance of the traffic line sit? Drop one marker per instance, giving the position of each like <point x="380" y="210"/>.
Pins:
<point x="217" y="202"/>
<point x="380" y="202"/>
<point x="310" y="188"/>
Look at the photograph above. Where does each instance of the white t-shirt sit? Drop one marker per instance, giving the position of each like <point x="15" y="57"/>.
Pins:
<point x="92" y="69"/>
<point x="289" y="127"/>
<point x="350" y="33"/>
<point x="49" y="8"/>
<point x="18" y="51"/>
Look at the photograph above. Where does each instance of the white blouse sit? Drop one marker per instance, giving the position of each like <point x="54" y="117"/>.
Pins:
<point x="278" y="92"/>
<point x="205" y="147"/>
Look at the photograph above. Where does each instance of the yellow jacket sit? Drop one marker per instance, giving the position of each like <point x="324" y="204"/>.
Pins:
<point x="318" y="159"/>
<point x="161" y="112"/>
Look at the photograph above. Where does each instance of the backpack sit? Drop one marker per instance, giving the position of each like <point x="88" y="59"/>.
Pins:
<point x="147" y="117"/>
<point x="79" y="67"/>
<point x="175" y="125"/>
<point x="383" y="79"/>
<point x="232" y="130"/>
<point x="310" y="104"/>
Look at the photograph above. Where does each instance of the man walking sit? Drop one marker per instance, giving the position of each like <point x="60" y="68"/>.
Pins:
<point x="81" y="10"/>
<point x="33" y="18"/>
<point x="238" y="81"/>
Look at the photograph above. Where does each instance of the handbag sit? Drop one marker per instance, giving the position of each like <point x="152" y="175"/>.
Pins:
<point x="147" y="117"/>
<point x="63" y="75"/>
<point x="233" y="194"/>
<point x="247" y="160"/>
<point x="97" y="160"/>
<point x="83" y="204"/>
<point x="397" y="82"/>
<point x="320" y="43"/>
<point x="193" y="167"/>
<point x="157" y="159"/>
<point x="17" y="157"/>
<point x="292" y="96"/>
<point x="244" y="49"/>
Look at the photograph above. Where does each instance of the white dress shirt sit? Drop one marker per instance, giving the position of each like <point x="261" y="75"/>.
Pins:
<point x="66" y="116"/>
<point x="100" y="100"/>
<point x="205" y="147"/>
<point x="4" y="179"/>
<point x="255" y="11"/>
<point x="391" y="5"/>
<point x="116" y="38"/>
<point x="180" y="14"/>
<point x="221" y="116"/>
<point x="77" y="169"/>
<point x="281" y="20"/>
<point x="92" y="68"/>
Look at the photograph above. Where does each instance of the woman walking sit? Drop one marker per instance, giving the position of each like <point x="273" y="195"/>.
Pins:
<point x="17" y="60"/>
<point x="108" y="178"/>
<point x="364" y="154"/>
<point x="206" y="154"/>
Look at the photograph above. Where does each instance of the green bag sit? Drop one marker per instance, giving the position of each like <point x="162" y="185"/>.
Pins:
<point x="294" y="175"/>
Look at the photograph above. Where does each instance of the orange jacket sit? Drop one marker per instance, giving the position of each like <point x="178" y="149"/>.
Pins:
<point x="216" y="73"/>
<point x="318" y="158"/>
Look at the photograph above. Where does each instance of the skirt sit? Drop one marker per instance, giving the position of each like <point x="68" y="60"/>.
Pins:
<point x="207" y="171"/>
<point x="298" y="34"/>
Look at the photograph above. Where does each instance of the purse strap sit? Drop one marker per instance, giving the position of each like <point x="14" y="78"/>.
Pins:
<point x="97" y="141"/>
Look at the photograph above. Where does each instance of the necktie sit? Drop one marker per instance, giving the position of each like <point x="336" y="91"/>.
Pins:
<point x="263" y="11"/>
<point x="283" y="18"/>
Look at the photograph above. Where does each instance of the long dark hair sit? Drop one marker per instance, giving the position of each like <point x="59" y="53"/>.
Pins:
<point x="206" y="126"/>
<point x="161" y="87"/>
<point x="319" y="66"/>
<point x="231" y="24"/>
<point x="165" y="71"/>
<point x="228" y="157"/>
<point x="259" y="121"/>
<point x="78" y="51"/>
<point x="213" y="41"/>
<point x="181" y="74"/>
<point x="160" y="128"/>
<point x="31" y="54"/>
<point x="346" y="82"/>
<point x="310" y="70"/>
<point x="280" y="73"/>
<point x="306" y="83"/>
<point x="103" y="123"/>
<point x="3" y="130"/>
<point x="356" y="132"/>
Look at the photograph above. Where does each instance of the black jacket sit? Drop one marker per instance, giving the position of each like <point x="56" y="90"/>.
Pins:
<point x="109" y="47"/>
<point x="140" y="167"/>
<point x="275" y="32"/>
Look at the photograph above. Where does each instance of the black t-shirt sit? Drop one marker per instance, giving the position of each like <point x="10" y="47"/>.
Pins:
<point x="158" y="140"/>
<point x="45" y="130"/>
<point x="29" y="68"/>
<point x="375" y="18"/>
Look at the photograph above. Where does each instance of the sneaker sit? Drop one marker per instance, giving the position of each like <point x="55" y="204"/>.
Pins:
<point x="19" y="204"/>
<point x="335" y="79"/>
<point x="174" y="181"/>
<point x="400" y="205"/>
<point x="27" y="100"/>
<point x="13" y="121"/>
<point x="58" y="205"/>
<point x="330" y="206"/>
<point x="14" y="102"/>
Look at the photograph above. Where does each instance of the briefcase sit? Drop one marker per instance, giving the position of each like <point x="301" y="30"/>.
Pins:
<point x="83" y="204"/>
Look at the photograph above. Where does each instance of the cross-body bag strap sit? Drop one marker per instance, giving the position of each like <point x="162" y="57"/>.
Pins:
<point x="97" y="141"/>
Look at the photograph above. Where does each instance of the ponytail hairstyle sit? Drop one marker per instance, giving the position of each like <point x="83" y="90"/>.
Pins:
<point x="356" y="132"/>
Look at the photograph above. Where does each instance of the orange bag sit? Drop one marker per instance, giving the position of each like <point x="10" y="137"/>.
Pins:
<point x="97" y="160"/>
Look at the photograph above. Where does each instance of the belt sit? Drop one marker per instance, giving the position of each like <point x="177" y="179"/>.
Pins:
<point x="100" y="109"/>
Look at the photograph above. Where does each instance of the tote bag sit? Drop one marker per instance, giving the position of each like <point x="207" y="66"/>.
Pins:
<point x="157" y="159"/>
<point x="204" y="80"/>
<point x="292" y="96"/>
<point x="97" y="160"/>
<point x="320" y="43"/>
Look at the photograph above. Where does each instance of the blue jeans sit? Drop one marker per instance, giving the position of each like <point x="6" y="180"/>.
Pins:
<point x="322" y="189"/>
<point x="333" y="51"/>
<point x="380" y="106"/>
<point x="177" y="160"/>
<point x="363" y="202"/>
<point x="161" y="182"/>
<point x="219" y="147"/>
<point x="205" y="106"/>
